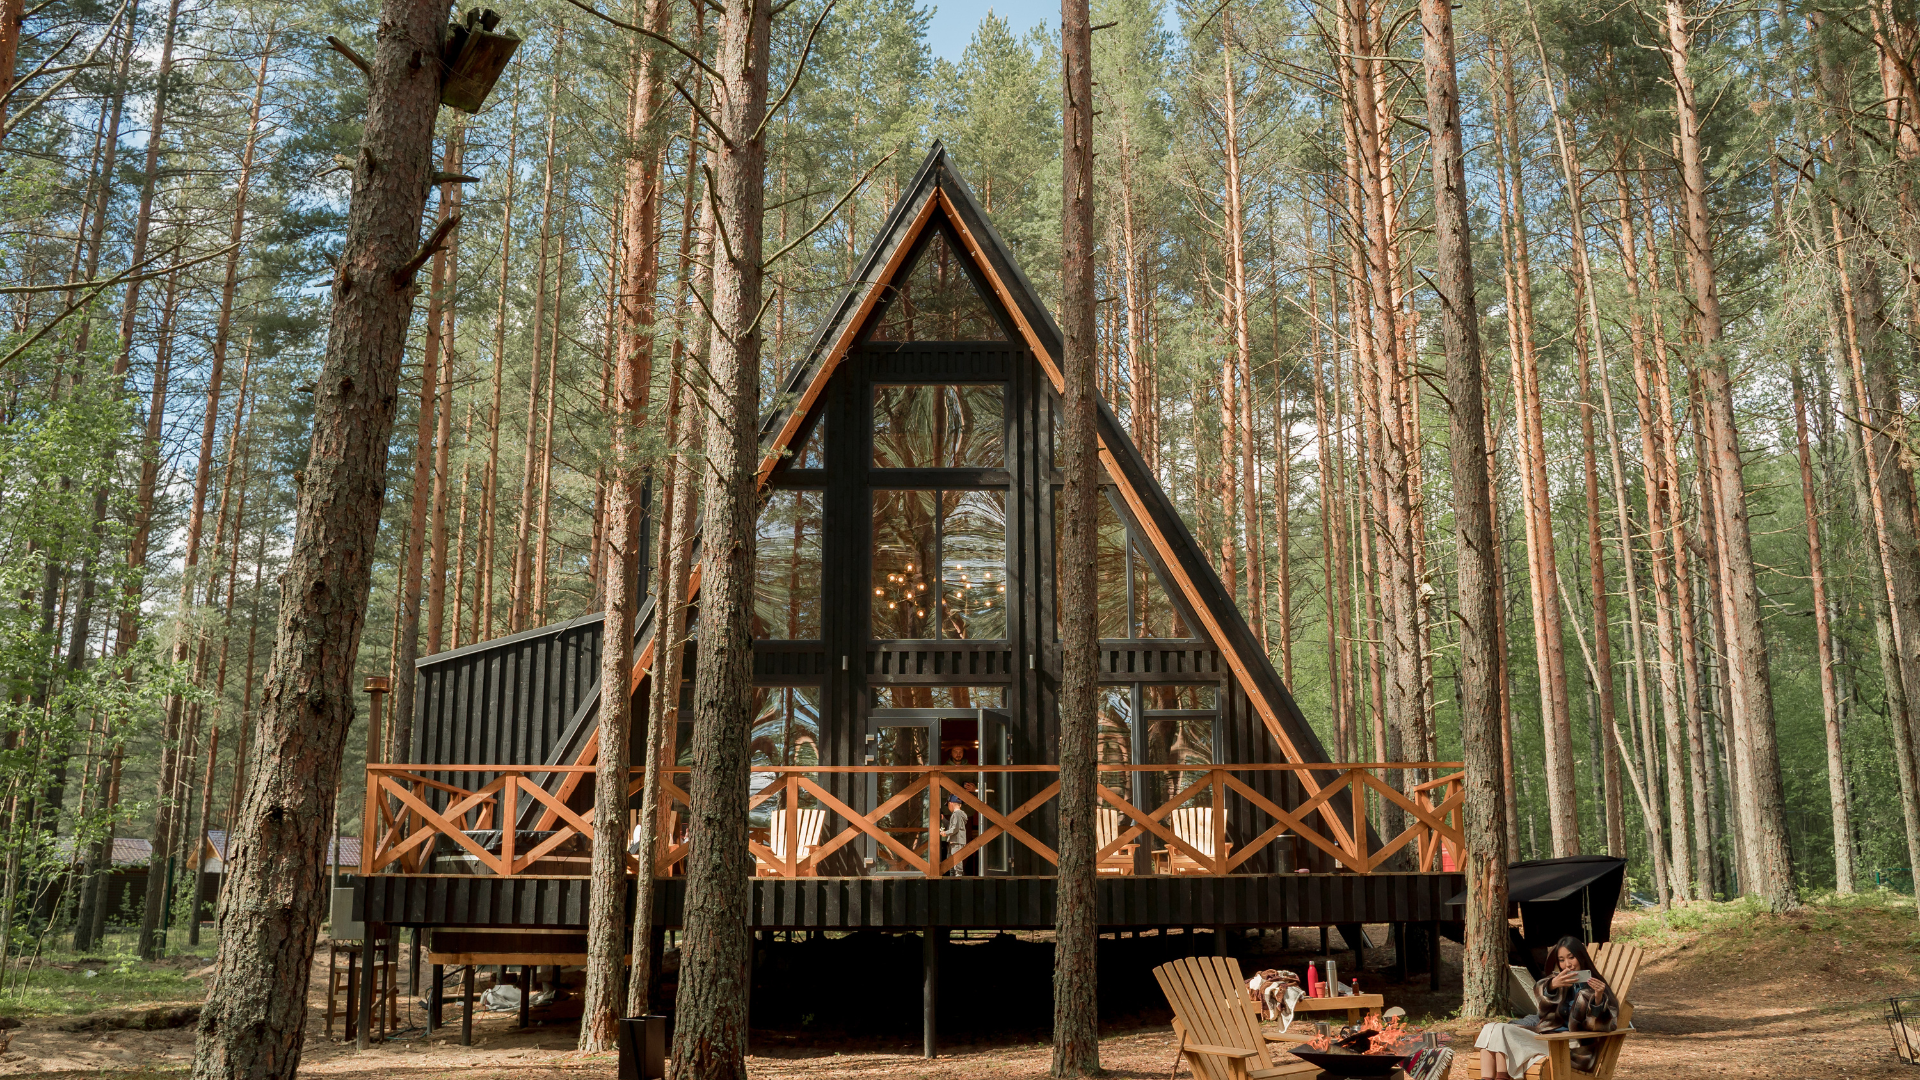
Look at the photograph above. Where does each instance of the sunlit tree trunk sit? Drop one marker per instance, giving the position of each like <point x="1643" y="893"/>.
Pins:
<point x="710" y="1029"/>
<point x="490" y="479"/>
<point x="446" y="279"/>
<point x="1485" y="957"/>
<point x="607" y="991"/>
<point x="1556" y="713"/>
<point x="1076" y="1037"/>
<point x="1752" y="691"/>
<point x="251" y="1026"/>
<point x="520" y="597"/>
<point x="1823" y="638"/>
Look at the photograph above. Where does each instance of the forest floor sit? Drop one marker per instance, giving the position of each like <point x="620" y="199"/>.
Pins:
<point x="1727" y="991"/>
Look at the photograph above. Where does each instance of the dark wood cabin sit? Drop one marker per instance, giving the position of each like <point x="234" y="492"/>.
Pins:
<point x="907" y="646"/>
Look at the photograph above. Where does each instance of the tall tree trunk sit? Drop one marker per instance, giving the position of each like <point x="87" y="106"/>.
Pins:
<point x="420" y="495"/>
<point x="251" y="1025"/>
<point x="1076" y="1037"/>
<point x="710" y="1034"/>
<point x="544" y="530"/>
<point x="1485" y="957"/>
<point x="490" y="479"/>
<point x="1752" y="689"/>
<point x="520" y="609"/>
<point x="1823" y="638"/>
<point x="607" y="991"/>
<point x="1589" y="338"/>
<point x="166" y="810"/>
<point x="446" y="279"/>
<point x="673" y="554"/>
<point x="1536" y="496"/>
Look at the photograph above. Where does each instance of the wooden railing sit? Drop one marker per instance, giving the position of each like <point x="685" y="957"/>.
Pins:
<point x="405" y="827"/>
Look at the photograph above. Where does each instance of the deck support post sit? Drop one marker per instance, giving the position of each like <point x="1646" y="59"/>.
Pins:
<point x="1433" y="956"/>
<point x="1402" y="967"/>
<point x="1219" y="941"/>
<point x="929" y="979"/>
<point x="526" y="994"/>
<point x="413" y="963"/>
<point x="466" y="1007"/>
<point x="1324" y="943"/>
<point x="436" y="999"/>
<point x="364" y="1005"/>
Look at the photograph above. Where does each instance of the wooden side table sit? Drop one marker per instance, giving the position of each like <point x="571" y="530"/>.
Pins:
<point x="1354" y="1005"/>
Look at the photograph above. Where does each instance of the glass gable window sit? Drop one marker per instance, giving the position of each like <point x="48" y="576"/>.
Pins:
<point x="937" y="301"/>
<point x="1179" y="732"/>
<point x="786" y="586"/>
<point x="939" y="697"/>
<point x="1131" y="600"/>
<point x="939" y="427"/>
<point x="939" y="565"/>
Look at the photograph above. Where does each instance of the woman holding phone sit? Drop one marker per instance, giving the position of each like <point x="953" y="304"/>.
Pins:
<point x="1571" y="998"/>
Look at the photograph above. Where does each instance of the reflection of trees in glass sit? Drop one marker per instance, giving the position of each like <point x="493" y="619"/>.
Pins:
<point x="1143" y="612"/>
<point x="1114" y="737"/>
<point x="968" y="545"/>
<point x="786" y="731"/>
<point x="904" y="550"/>
<point x="902" y="746"/>
<point x="811" y="453"/>
<point x="939" y="427"/>
<point x="936" y="301"/>
<point x="973" y="565"/>
<point x="786" y="587"/>
<point x="939" y="697"/>
<point x="1179" y="739"/>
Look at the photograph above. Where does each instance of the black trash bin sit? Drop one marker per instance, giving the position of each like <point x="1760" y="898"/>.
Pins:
<point x="643" y="1048"/>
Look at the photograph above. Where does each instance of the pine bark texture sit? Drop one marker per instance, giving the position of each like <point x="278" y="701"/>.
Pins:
<point x="1076" y="1040"/>
<point x="275" y="897"/>
<point x="1770" y="858"/>
<point x="710" y="1029"/>
<point x="607" y="990"/>
<point x="1485" y="957"/>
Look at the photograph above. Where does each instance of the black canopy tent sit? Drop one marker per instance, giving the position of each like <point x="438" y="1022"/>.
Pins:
<point x="1556" y="898"/>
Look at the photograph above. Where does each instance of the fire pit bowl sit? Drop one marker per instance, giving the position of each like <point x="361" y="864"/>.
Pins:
<point x="1336" y="1063"/>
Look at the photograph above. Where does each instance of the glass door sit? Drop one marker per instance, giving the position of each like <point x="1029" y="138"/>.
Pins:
<point x="995" y="749"/>
<point x="902" y="742"/>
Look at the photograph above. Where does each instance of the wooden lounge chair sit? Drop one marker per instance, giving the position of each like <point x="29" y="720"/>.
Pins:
<point x="1194" y="824"/>
<point x="1616" y="964"/>
<point x="1106" y="826"/>
<point x="1217" y="1025"/>
<point x="811" y="824"/>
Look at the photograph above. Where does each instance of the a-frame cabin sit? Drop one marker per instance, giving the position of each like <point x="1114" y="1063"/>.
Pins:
<point x="907" y="646"/>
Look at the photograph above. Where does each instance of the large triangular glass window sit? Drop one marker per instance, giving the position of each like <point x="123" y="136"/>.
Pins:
<point x="935" y="299"/>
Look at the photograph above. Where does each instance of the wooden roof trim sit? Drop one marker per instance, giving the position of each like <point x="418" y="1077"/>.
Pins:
<point x="830" y="362"/>
<point x="1268" y="716"/>
<point x="797" y="415"/>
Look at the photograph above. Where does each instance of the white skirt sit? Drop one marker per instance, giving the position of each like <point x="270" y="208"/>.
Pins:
<point x="1520" y="1045"/>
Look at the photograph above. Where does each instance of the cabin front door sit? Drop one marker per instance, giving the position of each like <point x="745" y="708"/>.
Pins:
<point x="968" y="744"/>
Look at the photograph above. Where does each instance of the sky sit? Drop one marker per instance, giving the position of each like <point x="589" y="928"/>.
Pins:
<point x="954" y="21"/>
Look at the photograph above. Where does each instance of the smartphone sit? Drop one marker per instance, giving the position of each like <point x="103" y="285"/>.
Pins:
<point x="1582" y="977"/>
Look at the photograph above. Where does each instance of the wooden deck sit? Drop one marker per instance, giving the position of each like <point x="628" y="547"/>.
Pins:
<point x="911" y="903"/>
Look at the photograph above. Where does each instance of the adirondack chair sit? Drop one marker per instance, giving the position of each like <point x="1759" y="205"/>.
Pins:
<point x="1217" y="1025"/>
<point x="1616" y="964"/>
<point x="1194" y="824"/>
<point x="810" y="825"/>
<point x="1106" y="826"/>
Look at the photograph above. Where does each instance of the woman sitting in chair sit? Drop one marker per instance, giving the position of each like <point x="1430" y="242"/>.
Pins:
<point x="1571" y="998"/>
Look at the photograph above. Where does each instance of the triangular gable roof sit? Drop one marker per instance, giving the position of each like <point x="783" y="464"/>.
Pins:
<point x="937" y="189"/>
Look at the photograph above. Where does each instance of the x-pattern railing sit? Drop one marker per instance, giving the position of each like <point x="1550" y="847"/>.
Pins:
<point x="405" y="826"/>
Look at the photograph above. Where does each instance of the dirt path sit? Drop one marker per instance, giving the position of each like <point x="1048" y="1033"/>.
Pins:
<point x="1729" y="994"/>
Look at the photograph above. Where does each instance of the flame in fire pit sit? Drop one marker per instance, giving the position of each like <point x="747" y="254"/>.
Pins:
<point x="1391" y="1038"/>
